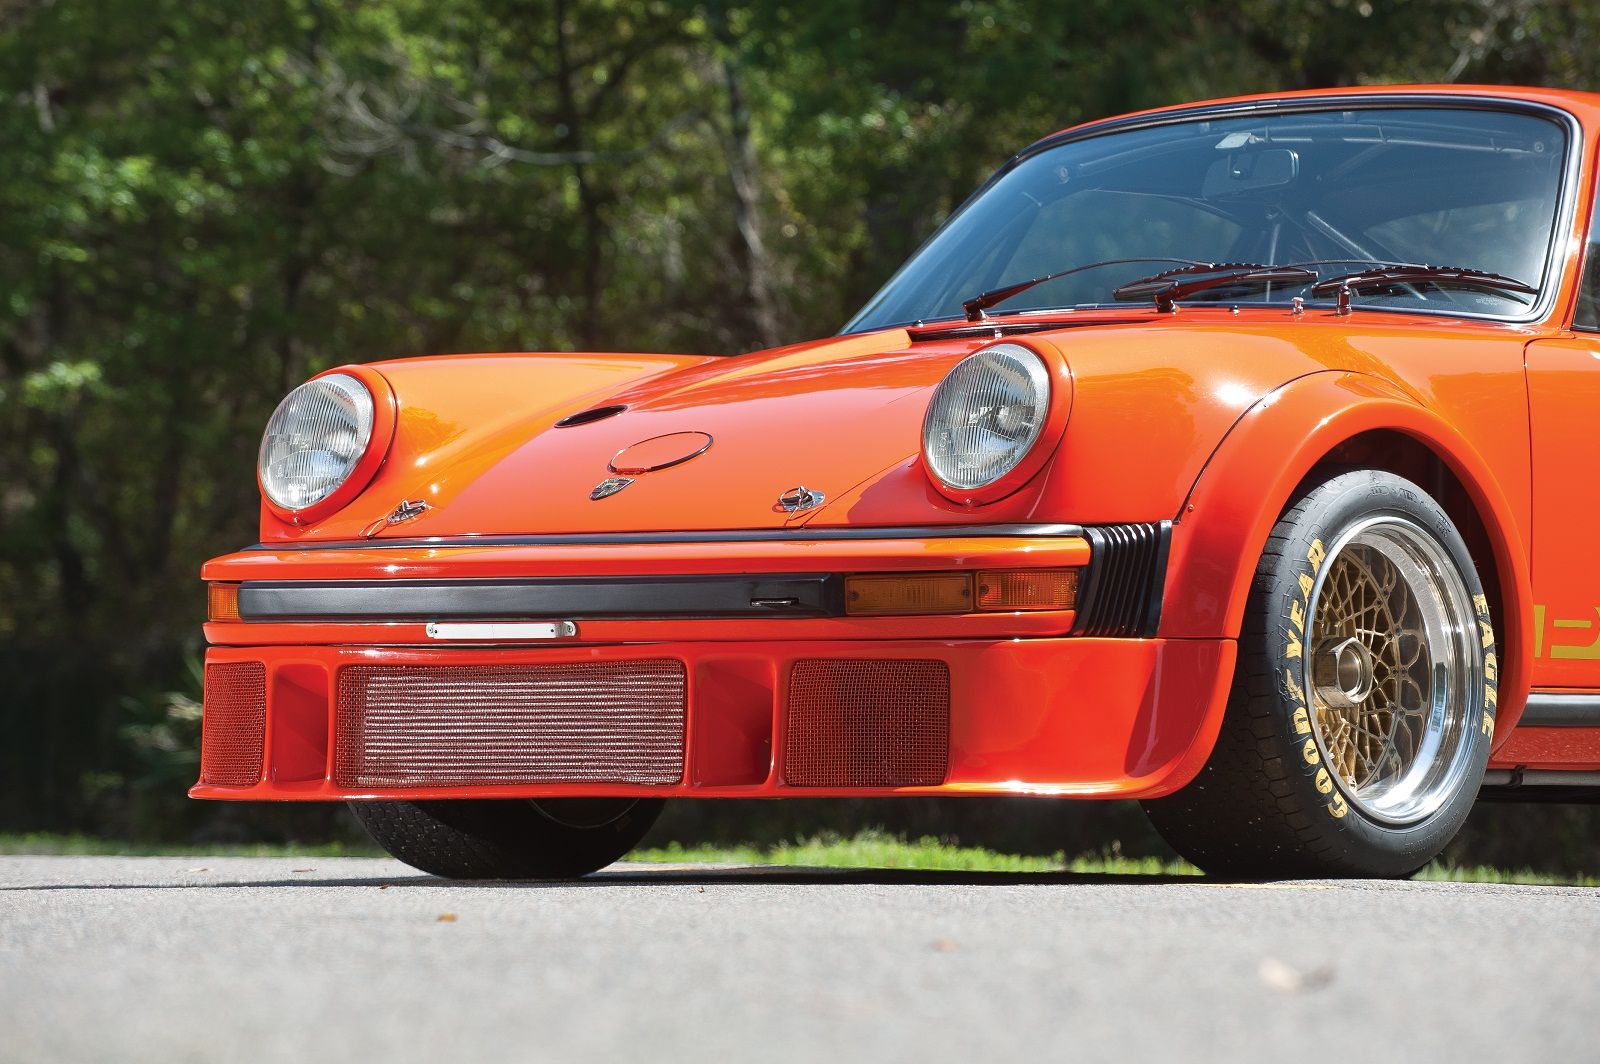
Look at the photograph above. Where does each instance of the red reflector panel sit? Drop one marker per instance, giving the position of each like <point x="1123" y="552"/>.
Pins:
<point x="876" y="723"/>
<point x="233" y="724"/>
<point x="444" y="726"/>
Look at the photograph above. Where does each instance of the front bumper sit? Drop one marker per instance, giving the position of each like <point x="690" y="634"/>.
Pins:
<point x="788" y="706"/>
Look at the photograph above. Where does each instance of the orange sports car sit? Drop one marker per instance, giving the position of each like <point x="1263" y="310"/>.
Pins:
<point x="1228" y="457"/>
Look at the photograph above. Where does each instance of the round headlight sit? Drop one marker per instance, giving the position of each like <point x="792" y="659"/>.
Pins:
<point x="985" y="416"/>
<point x="314" y="440"/>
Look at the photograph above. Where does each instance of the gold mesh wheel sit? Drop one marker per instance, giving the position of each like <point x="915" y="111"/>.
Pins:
<point x="1394" y="669"/>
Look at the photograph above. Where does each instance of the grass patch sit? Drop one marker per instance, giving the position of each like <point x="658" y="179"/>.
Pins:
<point x="878" y="849"/>
<point x="865" y="849"/>
<point x="1444" y="873"/>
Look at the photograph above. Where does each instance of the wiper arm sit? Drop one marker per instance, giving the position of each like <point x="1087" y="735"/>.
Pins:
<point x="1169" y="286"/>
<point x="1191" y="276"/>
<point x="976" y="306"/>
<point x="1415" y="273"/>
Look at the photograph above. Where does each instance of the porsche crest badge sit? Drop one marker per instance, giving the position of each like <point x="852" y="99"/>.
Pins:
<point x="609" y="487"/>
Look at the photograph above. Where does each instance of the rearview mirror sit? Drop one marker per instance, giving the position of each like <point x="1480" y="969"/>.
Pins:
<point x="1250" y="171"/>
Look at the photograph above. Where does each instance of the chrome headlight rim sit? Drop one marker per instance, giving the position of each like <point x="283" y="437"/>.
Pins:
<point x="1051" y="376"/>
<point x="379" y="435"/>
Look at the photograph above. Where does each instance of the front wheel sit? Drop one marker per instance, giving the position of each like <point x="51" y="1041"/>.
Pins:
<point x="1362" y="708"/>
<point x="556" y="838"/>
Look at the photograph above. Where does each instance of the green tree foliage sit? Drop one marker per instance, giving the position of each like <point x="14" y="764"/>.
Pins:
<point x="204" y="201"/>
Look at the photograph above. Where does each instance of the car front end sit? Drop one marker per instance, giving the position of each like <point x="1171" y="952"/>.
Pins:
<point x="703" y="616"/>
<point x="1102" y="439"/>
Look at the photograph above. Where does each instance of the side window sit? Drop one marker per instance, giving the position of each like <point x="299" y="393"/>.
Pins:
<point x="1587" y="316"/>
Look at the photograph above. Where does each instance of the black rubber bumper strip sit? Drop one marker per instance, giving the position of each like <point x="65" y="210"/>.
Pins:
<point x="1547" y="709"/>
<point x="679" y="597"/>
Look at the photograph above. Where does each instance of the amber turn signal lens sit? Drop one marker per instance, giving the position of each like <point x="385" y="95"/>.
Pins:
<point x="222" y="602"/>
<point x="888" y="594"/>
<point x="1028" y="589"/>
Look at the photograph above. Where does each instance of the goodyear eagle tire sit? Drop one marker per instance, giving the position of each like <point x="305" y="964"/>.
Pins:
<point x="1362" y="708"/>
<point x="507" y="838"/>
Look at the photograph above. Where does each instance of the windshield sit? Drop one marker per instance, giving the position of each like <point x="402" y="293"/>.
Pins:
<point x="1444" y="186"/>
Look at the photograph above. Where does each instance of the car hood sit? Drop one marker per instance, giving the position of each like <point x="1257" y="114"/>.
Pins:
<point x="1151" y="397"/>
<point x="477" y="437"/>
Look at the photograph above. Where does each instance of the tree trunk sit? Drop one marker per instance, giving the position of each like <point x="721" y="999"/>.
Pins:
<point x="590" y="209"/>
<point x="744" y="177"/>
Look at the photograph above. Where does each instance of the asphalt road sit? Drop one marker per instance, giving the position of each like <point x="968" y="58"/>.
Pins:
<point x="348" y="960"/>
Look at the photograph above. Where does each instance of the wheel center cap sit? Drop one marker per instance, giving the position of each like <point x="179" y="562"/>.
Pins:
<point x="1343" y="671"/>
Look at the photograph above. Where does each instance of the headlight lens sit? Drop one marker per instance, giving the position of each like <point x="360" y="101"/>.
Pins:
<point x="985" y="416"/>
<point x="314" y="440"/>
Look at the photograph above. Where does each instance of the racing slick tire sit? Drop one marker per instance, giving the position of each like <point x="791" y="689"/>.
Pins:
<point x="1362" y="708"/>
<point x="555" y="838"/>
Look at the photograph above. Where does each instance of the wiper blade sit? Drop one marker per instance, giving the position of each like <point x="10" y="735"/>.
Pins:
<point x="976" y="306"/>
<point x="1169" y="286"/>
<point x="1416" y="273"/>
<point x="1190" y="276"/>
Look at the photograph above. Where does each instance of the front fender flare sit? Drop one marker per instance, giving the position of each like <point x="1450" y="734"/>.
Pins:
<point x="1222" y="528"/>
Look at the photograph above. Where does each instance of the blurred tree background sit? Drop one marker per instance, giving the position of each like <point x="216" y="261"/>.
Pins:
<point x="204" y="201"/>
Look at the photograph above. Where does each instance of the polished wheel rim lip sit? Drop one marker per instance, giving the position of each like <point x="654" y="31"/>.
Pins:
<point x="1404" y="749"/>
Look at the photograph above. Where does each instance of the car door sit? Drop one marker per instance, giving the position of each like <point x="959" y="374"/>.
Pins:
<point x="1564" y="413"/>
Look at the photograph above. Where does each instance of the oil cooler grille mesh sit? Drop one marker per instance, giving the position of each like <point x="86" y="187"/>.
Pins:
<point x="233" y="723"/>
<point x="868" y="723"/>
<point x="439" y="726"/>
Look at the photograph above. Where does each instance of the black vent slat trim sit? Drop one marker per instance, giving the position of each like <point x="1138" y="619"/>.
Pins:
<point x="1158" y="579"/>
<point x="1121" y="594"/>
<point x="1127" y="548"/>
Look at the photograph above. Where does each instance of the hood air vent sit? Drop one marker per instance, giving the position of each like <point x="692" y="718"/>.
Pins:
<point x="584" y="417"/>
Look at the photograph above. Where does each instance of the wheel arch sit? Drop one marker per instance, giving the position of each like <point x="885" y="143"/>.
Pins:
<point x="1300" y="434"/>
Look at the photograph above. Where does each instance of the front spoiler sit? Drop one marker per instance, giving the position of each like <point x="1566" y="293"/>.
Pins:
<point x="1068" y="717"/>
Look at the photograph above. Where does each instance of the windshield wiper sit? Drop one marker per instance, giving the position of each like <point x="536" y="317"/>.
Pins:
<point x="1169" y="286"/>
<point x="976" y="306"/>
<point x="1190" y="276"/>
<point x="1415" y="273"/>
